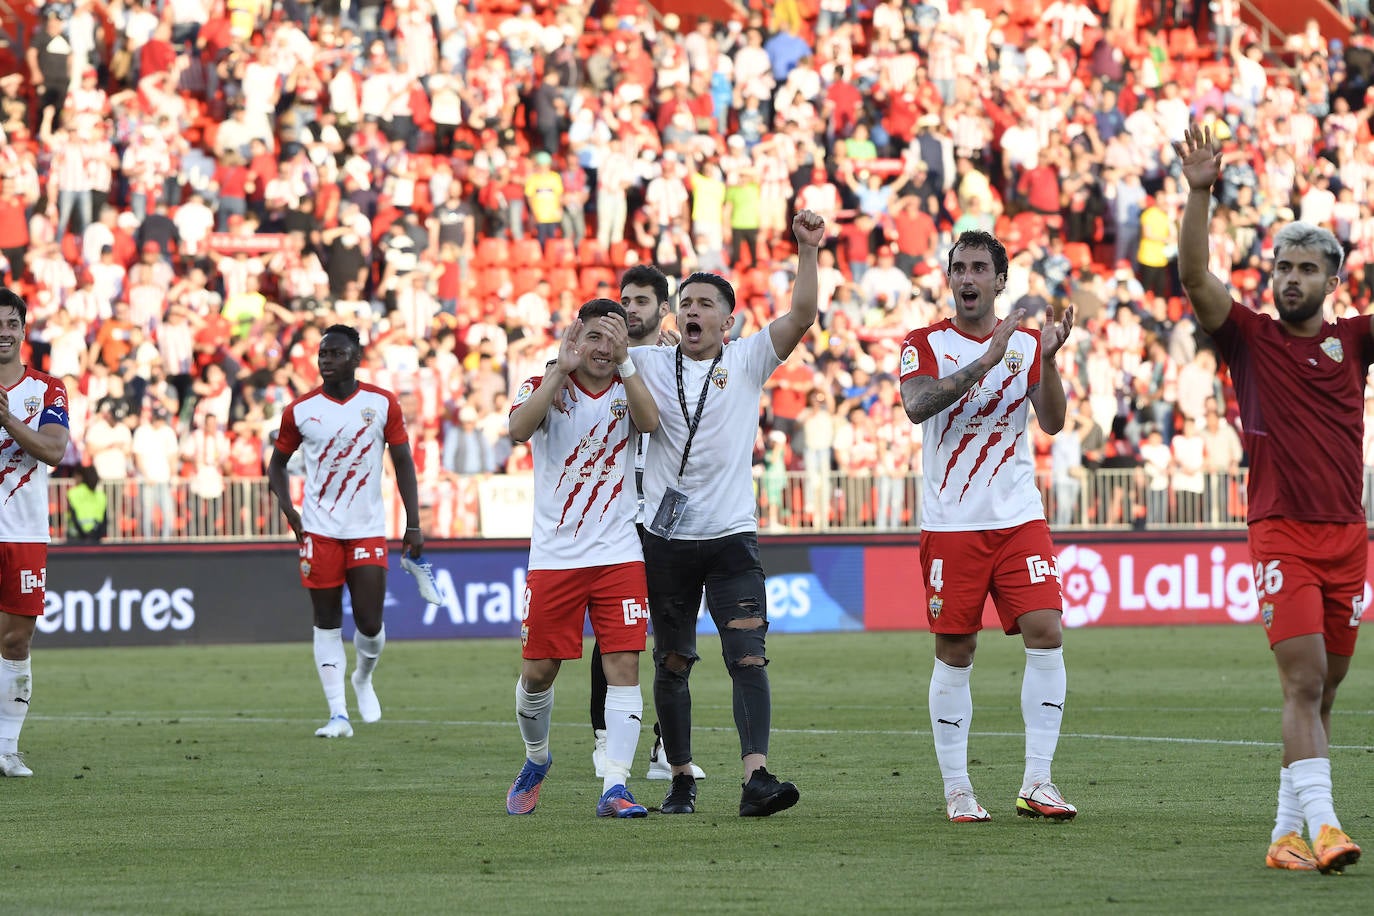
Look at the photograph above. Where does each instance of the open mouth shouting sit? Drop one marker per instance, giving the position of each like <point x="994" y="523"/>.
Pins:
<point x="691" y="331"/>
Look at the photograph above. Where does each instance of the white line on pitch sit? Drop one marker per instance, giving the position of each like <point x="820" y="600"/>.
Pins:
<point x="472" y="723"/>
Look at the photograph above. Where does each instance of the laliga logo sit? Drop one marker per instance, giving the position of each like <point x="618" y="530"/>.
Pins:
<point x="1086" y="585"/>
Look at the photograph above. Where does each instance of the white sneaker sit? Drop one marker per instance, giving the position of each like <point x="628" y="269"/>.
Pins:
<point x="336" y="727"/>
<point x="13" y="765"/>
<point x="963" y="808"/>
<point x="660" y="768"/>
<point x="368" y="706"/>
<point x="599" y="751"/>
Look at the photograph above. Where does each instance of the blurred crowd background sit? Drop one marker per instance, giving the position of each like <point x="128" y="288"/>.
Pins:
<point x="193" y="189"/>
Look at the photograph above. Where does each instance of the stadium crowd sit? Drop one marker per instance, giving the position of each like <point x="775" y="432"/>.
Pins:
<point x="193" y="189"/>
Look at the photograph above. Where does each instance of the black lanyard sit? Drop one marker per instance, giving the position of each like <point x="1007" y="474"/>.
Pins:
<point x="695" y="421"/>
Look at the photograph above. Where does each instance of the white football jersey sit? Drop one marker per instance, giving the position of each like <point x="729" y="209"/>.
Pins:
<point x="40" y="399"/>
<point x="584" y="486"/>
<point x="979" y="474"/>
<point x="343" y="444"/>
<point x="718" y="479"/>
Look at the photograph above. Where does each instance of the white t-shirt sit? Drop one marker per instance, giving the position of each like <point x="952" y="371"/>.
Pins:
<point x="979" y="472"/>
<point x="40" y="399"/>
<point x="344" y="442"/>
<point x="718" y="478"/>
<point x="584" y="507"/>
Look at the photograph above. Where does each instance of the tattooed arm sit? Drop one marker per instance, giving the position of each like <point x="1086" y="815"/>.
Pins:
<point x="923" y="397"/>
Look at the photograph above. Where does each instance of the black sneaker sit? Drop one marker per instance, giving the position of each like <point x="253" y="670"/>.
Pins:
<point x="682" y="797"/>
<point x="763" y="795"/>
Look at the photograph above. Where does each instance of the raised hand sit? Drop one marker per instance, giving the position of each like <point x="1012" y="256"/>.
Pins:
<point x="614" y="330"/>
<point x="571" y="349"/>
<point x="809" y="228"/>
<point x="1200" y="155"/>
<point x="1001" y="336"/>
<point x="1054" y="333"/>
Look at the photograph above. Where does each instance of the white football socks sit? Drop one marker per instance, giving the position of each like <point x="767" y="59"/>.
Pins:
<point x="16" y="687"/>
<point x="532" y="714"/>
<point x="951" y="713"/>
<point x="367" y="649"/>
<point x="624" y="718"/>
<point x="1043" y="687"/>
<point x="330" y="662"/>
<point x="1312" y="783"/>
<point x="1289" y="817"/>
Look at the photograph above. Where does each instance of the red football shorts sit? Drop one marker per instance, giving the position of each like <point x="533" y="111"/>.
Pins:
<point x="325" y="561"/>
<point x="1016" y="566"/>
<point x="1309" y="578"/>
<point x="23" y="578"/>
<point x="616" y="599"/>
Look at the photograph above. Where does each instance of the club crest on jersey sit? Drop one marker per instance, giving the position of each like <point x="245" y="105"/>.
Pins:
<point x="937" y="604"/>
<point x="1013" y="361"/>
<point x="368" y="415"/>
<point x="31" y="405"/>
<point x="909" y="359"/>
<point x="619" y="407"/>
<point x="524" y="393"/>
<point x="1332" y="348"/>
<point x="1267" y="613"/>
<point x="719" y="376"/>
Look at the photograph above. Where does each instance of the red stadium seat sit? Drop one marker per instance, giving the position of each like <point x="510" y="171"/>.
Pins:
<point x="618" y="253"/>
<point x="591" y="254"/>
<point x="526" y="253"/>
<point x="524" y="279"/>
<point x="491" y="281"/>
<point x="1079" y="254"/>
<point x="492" y="252"/>
<point x="561" y="278"/>
<point x="559" y="252"/>
<point x="591" y="276"/>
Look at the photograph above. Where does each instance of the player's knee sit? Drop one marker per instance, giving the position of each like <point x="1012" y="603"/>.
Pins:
<point x="14" y="644"/>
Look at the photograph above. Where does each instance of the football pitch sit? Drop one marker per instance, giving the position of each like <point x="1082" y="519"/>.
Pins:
<point x="188" y="780"/>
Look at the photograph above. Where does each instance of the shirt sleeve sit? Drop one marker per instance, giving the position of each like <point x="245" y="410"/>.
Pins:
<point x="54" y="405"/>
<point x="395" y="423"/>
<point x="289" y="435"/>
<point x="917" y="357"/>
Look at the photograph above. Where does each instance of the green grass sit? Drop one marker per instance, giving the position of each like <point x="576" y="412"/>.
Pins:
<point x="188" y="781"/>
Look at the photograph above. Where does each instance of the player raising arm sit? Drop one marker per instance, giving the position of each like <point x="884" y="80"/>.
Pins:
<point x="1300" y="382"/>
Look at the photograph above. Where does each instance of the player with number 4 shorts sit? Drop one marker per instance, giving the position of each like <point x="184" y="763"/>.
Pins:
<point x="970" y="382"/>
